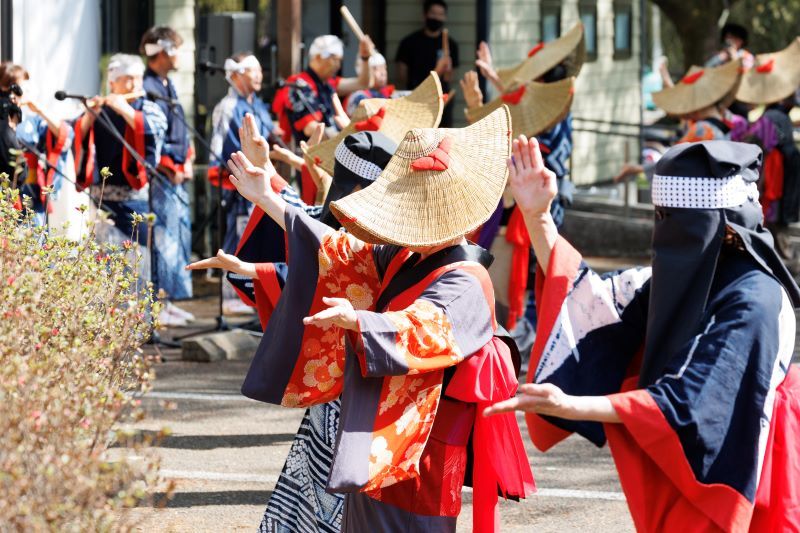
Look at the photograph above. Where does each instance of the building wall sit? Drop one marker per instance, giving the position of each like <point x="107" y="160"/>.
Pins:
<point x="405" y="16"/>
<point x="58" y="42"/>
<point x="180" y="15"/>
<point x="607" y="89"/>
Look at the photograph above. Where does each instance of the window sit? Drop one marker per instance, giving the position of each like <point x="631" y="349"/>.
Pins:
<point x="623" y="29"/>
<point x="123" y="24"/>
<point x="587" y="10"/>
<point x="550" y="11"/>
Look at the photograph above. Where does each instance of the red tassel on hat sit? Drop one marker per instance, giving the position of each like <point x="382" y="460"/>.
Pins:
<point x="514" y="97"/>
<point x="517" y="236"/>
<point x="691" y="78"/>
<point x="439" y="159"/>
<point x="532" y="52"/>
<point x="373" y="123"/>
<point x="766" y="68"/>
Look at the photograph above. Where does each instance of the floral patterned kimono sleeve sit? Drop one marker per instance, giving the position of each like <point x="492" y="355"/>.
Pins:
<point x="297" y="366"/>
<point x="449" y="321"/>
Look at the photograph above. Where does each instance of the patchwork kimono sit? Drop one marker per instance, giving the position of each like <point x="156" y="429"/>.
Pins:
<point x="412" y="379"/>
<point x="712" y="444"/>
<point x="48" y="160"/>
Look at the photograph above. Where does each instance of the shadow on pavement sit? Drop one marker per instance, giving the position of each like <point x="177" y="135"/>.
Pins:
<point x="225" y="497"/>
<point x="206" y="442"/>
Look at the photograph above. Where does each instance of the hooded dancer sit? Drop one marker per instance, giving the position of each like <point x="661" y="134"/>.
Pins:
<point x="684" y="368"/>
<point x="407" y="326"/>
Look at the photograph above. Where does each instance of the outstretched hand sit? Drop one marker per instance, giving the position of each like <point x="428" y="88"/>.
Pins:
<point x="534" y="186"/>
<point x="225" y="262"/>
<point x="339" y="313"/>
<point x="543" y="399"/>
<point x="254" y="145"/>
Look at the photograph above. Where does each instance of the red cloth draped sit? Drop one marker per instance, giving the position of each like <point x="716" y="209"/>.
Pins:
<point x="773" y="179"/>
<point x="517" y="236"/>
<point x="135" y="137"/>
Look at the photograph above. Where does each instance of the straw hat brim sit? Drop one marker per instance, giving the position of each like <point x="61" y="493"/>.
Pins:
<point x="761" y="86"/>
<point x="715" y="85"/>
<point x="542" y="106"/>
<point x="569" y="49"/>
<point x="428" y="208"/>
<point x="421" y="108"/>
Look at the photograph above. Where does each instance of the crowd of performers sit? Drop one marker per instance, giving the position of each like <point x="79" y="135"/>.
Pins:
<point x="382" y="321"/>
<point x="370" y="275"/>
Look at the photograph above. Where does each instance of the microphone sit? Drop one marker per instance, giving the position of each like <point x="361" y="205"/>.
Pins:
<point x="155" y="96"/>
<point x="208" y="66"/>
<point x="63" y="95"/>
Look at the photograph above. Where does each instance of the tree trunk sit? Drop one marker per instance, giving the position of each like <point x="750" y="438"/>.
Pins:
<point x="696" y="24"/>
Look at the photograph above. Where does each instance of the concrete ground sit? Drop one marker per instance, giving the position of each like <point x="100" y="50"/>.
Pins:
<point x="225" y="453"/>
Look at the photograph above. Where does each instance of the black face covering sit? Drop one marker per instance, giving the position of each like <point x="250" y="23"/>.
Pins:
<point x="358" y="160"/>
<point x="432" y="24"/>
<point x="687" y="244"/>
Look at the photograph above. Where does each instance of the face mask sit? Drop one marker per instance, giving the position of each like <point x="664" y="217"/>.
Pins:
<point x="433" y="24"/>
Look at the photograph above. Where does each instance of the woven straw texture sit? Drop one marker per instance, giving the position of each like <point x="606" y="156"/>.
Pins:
<point x="715" y="85"/>
<point x="541" y="107"/>
<point x="420" y="108"/>
<point x="569" y="49"/>
<point x="426" y="208"/>
<point x="774" y="77"/>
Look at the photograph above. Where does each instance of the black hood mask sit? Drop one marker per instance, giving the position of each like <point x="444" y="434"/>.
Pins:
<point x="699" y="189"/>
<point x="360" y="158"/>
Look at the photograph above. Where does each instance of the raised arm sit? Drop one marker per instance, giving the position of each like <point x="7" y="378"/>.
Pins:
<point x="534" y="187"/>
<point x="254" y="184"/>
<point x="364" y="79"/>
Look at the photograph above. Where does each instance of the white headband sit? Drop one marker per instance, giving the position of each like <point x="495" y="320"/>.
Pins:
<point x="702" y="193"/>
<point x="375" y="60"/>
<point x="125" y="65"/>
<point x="326" y="46"/>
<point x="232" y="66"/>
<point x="358" y="166"/>
<point x="162" y="45"/>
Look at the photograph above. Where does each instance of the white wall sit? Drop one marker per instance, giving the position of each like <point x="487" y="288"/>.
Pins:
<point x="58" y="42"/>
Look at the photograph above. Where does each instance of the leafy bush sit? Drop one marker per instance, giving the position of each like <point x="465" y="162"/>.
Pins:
<point x="74" y="315"/>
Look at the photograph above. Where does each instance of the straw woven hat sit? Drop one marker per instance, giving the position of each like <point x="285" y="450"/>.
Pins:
<point x="774" y="76"/>
<point x="569" y="49"/>
<point x="534" y="108"/>
<point x="421" y="108"/>
<point x="440" y="185"/>
<point x="701" y="88"/>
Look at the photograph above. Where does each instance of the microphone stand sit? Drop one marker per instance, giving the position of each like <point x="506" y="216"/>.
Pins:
<point x="155" y="337"/>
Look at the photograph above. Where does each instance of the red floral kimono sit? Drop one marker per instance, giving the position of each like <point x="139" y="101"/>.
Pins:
<point x="413" y="379"/>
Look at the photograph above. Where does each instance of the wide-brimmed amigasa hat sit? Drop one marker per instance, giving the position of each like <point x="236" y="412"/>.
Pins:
<point x="773" y="77"/>
<point x="569" y="49"/>
<point x="701" y="88"/>
<point x="392" y="117"/>
<point x="534" y="107"/>
<point x="440" y="184"/>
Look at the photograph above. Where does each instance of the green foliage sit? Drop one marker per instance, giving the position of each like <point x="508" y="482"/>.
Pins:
<point x="74" y="315"/>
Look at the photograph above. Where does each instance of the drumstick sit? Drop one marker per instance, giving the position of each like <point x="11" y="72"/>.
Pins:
<point x="348" y="17"/>
<point x="445" y="43"/>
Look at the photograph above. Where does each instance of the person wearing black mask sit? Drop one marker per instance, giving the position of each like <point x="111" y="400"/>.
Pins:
<point x="684" y="368"/>
<point x="421" y="52"/>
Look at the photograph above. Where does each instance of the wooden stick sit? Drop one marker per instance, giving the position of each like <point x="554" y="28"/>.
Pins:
<point x="445" y="43"/>
<point x="348" y="18"/>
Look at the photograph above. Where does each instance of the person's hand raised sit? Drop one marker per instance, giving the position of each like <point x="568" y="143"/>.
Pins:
<point x="471" y="89"/>
<point x="533" y="185"/>
<point x="252" y="182"/>
<point x="254" y="145"/>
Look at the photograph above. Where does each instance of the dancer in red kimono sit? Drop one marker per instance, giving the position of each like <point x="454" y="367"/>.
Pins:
<point x="397" y="317"/>
<point x="684" y="368"/>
